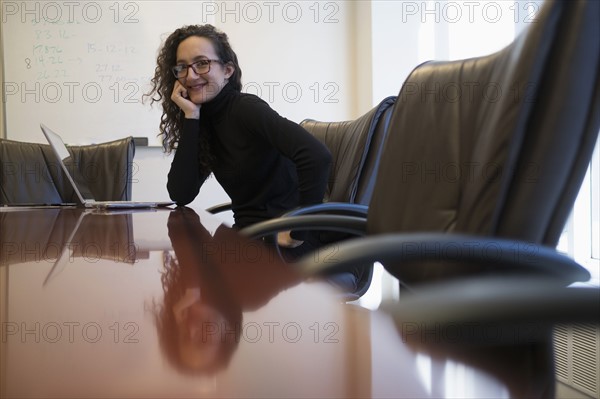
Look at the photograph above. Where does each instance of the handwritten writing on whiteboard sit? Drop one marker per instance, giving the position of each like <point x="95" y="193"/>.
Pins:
<point x="82" y="67"/>
<point x="88" y="60"/>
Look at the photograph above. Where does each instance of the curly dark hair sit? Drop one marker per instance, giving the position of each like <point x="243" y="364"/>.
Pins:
<point x="164" y="81"/>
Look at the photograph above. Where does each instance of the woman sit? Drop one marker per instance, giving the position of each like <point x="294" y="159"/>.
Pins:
<point x="207" y="287"/>
<point x="266" y="163"/>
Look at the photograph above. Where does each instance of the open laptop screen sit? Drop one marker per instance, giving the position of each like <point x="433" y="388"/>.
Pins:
<point x="68" y="166"/>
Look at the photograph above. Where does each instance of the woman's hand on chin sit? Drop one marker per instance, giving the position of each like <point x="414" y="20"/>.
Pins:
<point x="180" y="97"/>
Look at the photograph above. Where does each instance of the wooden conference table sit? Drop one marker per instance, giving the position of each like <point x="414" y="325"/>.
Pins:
<point x="169" y="303"/>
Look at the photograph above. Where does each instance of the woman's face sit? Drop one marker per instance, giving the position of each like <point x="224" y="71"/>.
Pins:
<point x="201" y="330"/>
<point x="202" y="88"/>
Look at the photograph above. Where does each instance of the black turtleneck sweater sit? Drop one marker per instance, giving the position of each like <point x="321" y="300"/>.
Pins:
<point x="266" y="163"/>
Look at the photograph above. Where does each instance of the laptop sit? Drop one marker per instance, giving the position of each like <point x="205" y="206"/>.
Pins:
<point x="85" y="197"/>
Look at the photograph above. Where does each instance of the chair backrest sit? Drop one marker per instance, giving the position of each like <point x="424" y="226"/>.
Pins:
<point x="368" y="175"/>
<point x="29" y="172"/>
<point x="496" y="145"/>
<point x="107" y="168"/>
<point x="355" y="147"/>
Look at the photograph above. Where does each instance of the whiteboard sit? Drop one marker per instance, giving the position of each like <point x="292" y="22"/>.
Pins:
<point x="82" y="67"/>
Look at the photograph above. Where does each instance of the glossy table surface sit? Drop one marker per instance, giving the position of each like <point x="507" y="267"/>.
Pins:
<point x="171" y="303"/>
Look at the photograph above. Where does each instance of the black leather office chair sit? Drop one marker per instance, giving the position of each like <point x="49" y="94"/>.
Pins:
<point x="483" y="161"/>
<point x="504" y="326"/>
<point x="356" y="147"/>
<point x="29" y="172"/>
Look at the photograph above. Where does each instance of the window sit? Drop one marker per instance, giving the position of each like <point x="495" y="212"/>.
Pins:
<point x="595" y="202"/>
<point x="581" y="235"/>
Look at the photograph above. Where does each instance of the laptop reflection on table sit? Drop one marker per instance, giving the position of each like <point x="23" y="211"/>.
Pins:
<point x="91" y="238"/>
<point x="63" y="257"/>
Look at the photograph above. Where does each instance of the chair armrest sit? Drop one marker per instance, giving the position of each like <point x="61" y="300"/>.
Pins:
<point x="345" y="224"/>
<point x="353" y="225"/>
<point x="327" y="207"/>
<point x="343" y="208"/>
<point x="491" y="310"/>
<point x="219" y="208"/>
<point x="494" y="254"/>
<point x="499" y="300"/>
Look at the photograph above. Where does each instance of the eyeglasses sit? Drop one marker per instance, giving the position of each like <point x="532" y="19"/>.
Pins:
<point x="200" y="68"/>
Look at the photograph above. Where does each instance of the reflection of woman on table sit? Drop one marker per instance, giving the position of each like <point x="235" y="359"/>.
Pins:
<point x="207" y="285"/>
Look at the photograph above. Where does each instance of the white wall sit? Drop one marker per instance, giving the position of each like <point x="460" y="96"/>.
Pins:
<point x="93" y="60"/>
<point x="326" y="60"/>
<point x="297" y="55"/>
<point x="2" y="133"/>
